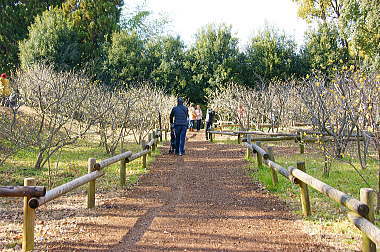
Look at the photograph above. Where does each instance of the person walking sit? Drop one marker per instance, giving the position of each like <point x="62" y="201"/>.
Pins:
<point x="210" y="114"/>
<point x="5" y="89"/>
<point x="179" y="119"/>
<point x="192" y="117"/>
<point x="198" y="118"/>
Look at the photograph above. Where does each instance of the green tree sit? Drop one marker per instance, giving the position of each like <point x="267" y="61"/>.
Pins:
<point x="126" y="59"/>
<point x="361" y="20"/>
<point x="15" y="17"/>
<point x="51" y="39"/>
<point x="271" y="55"/>
<point x="213" y="60"/>
<point x="169" y="72"/>
<point x="78" y="33"/>
<point x="317" y="10"/>
<point x="324" y="51"/>
<point x="94" y="20"/>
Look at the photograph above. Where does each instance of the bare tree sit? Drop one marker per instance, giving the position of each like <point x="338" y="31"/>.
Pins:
<point x="62" y="105"/>
<point x="113" y="125"/>
<point x="17" y="132"/>
<point x="367" y="107"/>
<point x="150" y="103"/>
<point x="236" y="102"/>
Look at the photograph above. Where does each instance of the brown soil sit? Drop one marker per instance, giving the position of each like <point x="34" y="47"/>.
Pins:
<point x="202" y="201"/>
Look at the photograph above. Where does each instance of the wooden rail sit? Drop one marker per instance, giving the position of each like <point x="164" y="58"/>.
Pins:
<point x="22" y="191"/>
<point x="112" y="160"/>
<point x="36" y="196"/>
<point x="361" y="211"/>
<point x="65" y="188"/>
<point x="301" y="137"/>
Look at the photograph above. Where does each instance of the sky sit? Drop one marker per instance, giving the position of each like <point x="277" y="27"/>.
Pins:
<point x="245" y="16"/>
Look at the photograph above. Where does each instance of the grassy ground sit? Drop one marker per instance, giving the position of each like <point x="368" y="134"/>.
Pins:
<point x="70" y="163"/>
<point x="66" y="165"/>
<point x="326" y="213"/>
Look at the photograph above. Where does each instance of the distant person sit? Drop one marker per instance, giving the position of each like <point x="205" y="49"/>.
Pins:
<point x="13" y="100"/>
<point x="198" y="118"/>
<point x="5" y="89"/>
<point x="179" y="119"/>
<point x="210" y="114"/>
<point x="192" y="117"/>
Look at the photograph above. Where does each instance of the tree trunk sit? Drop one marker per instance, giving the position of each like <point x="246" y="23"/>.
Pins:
<point x="40" y="158"/>
<point x="326" y="168"/>
<point x="363" y="163"/>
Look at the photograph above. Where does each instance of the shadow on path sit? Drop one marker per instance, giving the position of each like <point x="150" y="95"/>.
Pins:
<point x="203" y="201"/>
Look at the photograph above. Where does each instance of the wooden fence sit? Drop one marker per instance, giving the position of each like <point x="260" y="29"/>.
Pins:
<point x="229" y="124"/>
<point x="361" y="212"/>
<point x="36" y="196"/>
<point x="300" y="137"/>
<point x="261" y="136"/>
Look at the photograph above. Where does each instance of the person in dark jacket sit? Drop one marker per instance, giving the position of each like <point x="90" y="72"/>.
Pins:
<point x="210" y="114"/>
<point x="179" y="119"/>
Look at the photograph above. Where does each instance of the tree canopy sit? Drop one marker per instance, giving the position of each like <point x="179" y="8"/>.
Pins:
<point x="15" y="17"/>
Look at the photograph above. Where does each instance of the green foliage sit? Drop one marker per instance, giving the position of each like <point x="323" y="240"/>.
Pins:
<point x="213" y="60"/>
<point x="93" y="20"/>
<point x="271" y="55"/>
<point x="15" y="17"/>
<point x="127" y="60"/>
<point x="169" y="72"/>
<point x="326" y="50"/>
<point x="361" y="20"/>
<point x="53" y="40"/>
<point x="72" y="35"/>
<point x="312" y="10"/>
<point x="356" y="26"/>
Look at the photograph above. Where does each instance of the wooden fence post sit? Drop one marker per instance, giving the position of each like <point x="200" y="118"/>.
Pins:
<point x="91" y="184"/>
<point x="249" y="152"/>
<point x="239" y="138"/>
<point x="123" y="169"/>
<point x="302" y="144"/>
<point x="144" y="156"/>
<point x="259" y="157"/>
<point x="273" y="171"/>
<point x="368" y="196"/>
<point x="305" y="201"/>
<point x="211" y="137"/>
<point x="29" y="217"/>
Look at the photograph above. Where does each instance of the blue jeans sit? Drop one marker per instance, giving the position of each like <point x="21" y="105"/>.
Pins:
<point x="180" y="137"/>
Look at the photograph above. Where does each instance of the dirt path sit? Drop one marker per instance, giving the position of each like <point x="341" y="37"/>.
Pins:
<point x="202" y="201"/>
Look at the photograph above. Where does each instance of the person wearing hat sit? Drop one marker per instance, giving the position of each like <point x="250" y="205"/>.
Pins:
<point x="5" y="89"/>
<point x="179" y="119"/>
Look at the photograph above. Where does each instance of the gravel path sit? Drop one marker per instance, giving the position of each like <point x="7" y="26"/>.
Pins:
<point x="202" y="201"/>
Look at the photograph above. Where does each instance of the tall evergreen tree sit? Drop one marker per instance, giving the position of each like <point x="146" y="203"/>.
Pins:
<point x="15" y="17"/>
<point x="213" y="60"/>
